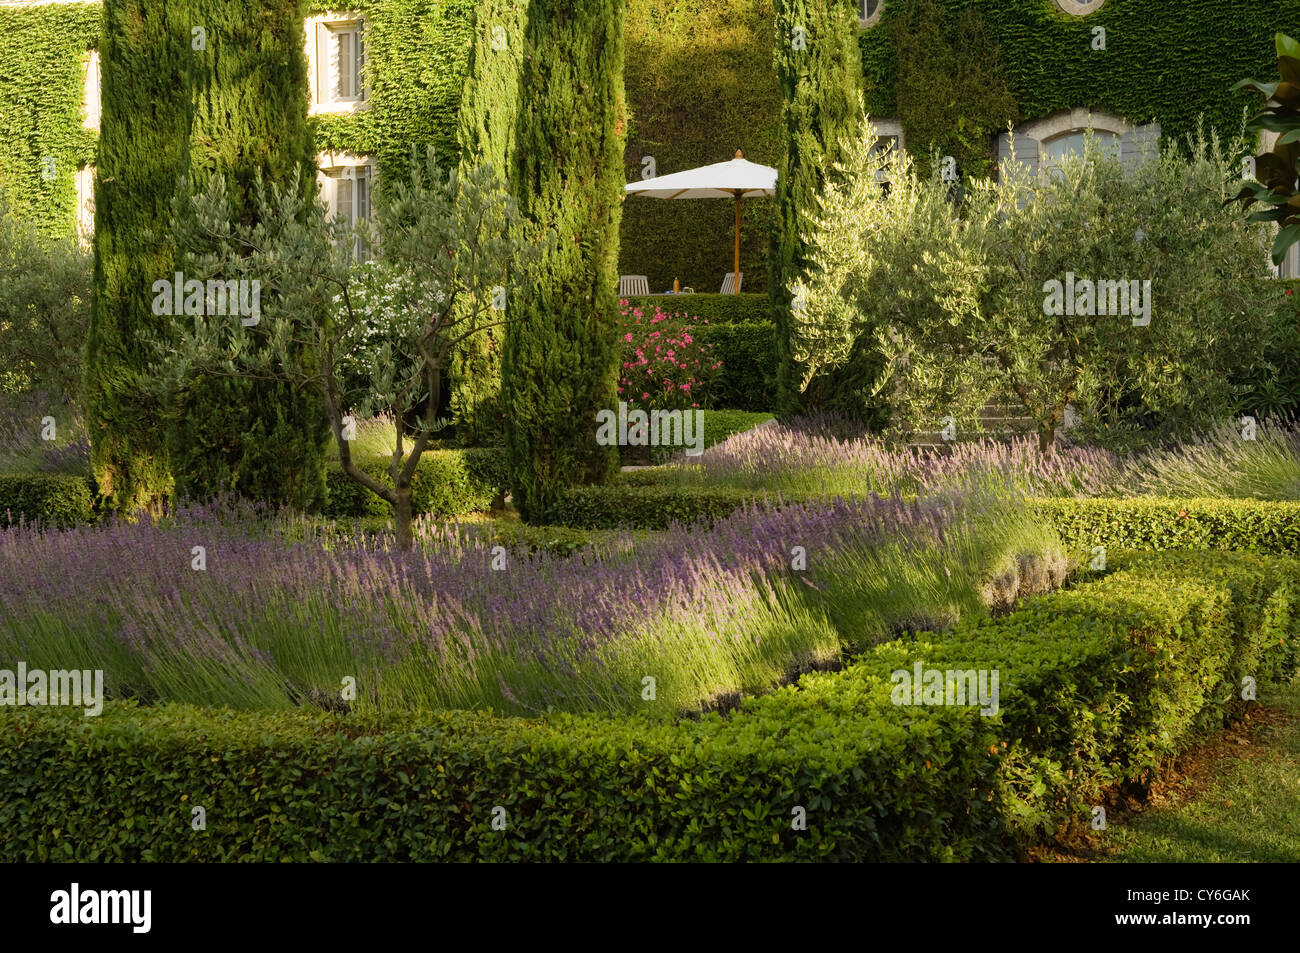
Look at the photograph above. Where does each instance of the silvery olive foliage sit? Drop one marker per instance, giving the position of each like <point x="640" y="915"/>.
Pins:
<point x="950" y="284"/>
<point x="375" y="336"/>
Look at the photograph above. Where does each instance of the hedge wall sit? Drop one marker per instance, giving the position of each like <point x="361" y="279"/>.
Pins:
<point x="1258" y="526"/>
<point x="43" y="50"/>
<point x="700" y="85"/>
<point x="50" y="498"/>
<point x="1097" y="685"/>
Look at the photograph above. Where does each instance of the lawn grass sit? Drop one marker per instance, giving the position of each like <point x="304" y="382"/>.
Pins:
<point x="1240" y="803"/>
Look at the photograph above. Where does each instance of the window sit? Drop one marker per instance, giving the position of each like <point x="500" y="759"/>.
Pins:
<point x="86" y="205"/>
<point x="869" y="12"/>
<point x="336" y="54"/>
<point x="889" y="141"/>
<point x="90" y="97"/>
<point x="1040" y="145"/>
<point x="1054" y="150"/>
<point x="1080" y="8"/>
<point x="346" y="182"/>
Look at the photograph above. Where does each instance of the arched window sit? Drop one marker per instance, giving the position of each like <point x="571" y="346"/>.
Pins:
<point x="869" y="11"/>
<point x="1080" y="8"/>
<point x="1043" y="143"/>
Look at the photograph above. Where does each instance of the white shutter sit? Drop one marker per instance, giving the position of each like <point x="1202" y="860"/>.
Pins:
<point x="343" y="64"/>
<point x="321" y="77"/>
<point x="343" y="200"/>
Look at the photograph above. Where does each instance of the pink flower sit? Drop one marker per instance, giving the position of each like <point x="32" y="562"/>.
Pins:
<point x="628" y="336"/>
<point x="686" y="339"/>
<point x="645" y="395"/>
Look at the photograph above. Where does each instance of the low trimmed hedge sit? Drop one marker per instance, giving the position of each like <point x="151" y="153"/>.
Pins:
<point x="447" y="483"/>
<point x="1257" y="526"/>
<point x="1098" y="685"/>
<point x="712" y="307"/>
<point x="50" y="498"/>
<point x="637" y="506"/>
<point x="313" y="786"/>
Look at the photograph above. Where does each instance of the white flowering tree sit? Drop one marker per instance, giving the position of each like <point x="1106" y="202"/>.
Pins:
<point x="372" y="337"/>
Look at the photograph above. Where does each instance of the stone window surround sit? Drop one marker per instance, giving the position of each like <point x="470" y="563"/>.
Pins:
<point x="319" y="107"/>
<point x="1080" y="8"/>
<point x="872" y="20"/>
<point x="1073" y="120"/>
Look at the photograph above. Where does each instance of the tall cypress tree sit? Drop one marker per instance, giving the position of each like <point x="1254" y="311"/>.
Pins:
<point x="249" y="95"/>
<point x="145" y="59"/>
<point x="489" y="112"/>
<point x="818" y="64"/>
<point x="560" y="359"/>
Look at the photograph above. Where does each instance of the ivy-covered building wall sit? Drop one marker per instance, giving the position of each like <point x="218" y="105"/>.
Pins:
<point x="43" y="50"/>
<point x="700" y="84"/>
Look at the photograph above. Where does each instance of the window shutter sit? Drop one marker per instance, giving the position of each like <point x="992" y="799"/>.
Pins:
<point x="1141" y="144"/>
<point x="321" y="77"/>
<point x="343" y="207"/>
<point x="343" y="48"/>
<point x="1027" y="151"/>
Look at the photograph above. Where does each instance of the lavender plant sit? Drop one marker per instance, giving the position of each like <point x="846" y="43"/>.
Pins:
<point x="669" y="624"/>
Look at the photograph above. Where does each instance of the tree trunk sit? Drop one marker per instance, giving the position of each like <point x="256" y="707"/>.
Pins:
<point x="1046" y="437"/>
<point x="402" y="518"/>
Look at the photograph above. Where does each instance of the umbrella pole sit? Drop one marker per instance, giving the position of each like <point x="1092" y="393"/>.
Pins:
<point x="735" y="287"/>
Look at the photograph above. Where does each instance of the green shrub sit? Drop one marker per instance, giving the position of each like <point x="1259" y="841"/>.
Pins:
<point x="644" y="507"/>
<point x="309" y="786"/>
<point x="713" y="308"/>
<point x="1258" y="526"/>
<point x="747" y="378"/>
<point x="55" y="498"/>
<point x="447" y="483"/>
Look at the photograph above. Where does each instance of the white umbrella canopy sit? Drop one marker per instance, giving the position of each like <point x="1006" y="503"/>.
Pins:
<point x="735" y="179"/>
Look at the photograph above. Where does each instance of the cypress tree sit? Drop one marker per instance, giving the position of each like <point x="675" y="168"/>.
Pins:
<point x="145" y="60"/>
<point x="249" y="95"/>
<point x="489" y="112"/>
<point x="560" y="359"/>
<point x="818" y="64"/>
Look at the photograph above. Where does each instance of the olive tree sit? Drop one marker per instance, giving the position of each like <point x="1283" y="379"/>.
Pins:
<point x="1091" y="285"/>
<point x="370" y="336"/>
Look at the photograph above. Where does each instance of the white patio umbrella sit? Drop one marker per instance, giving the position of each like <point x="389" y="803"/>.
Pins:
<point x="736" y="179"/>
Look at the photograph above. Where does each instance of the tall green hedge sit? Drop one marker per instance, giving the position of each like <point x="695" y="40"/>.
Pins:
<point x="561" y="357"/>
<point x="43" y="50"/>
<point x="819" y="70"/>
<point x="146" y="64"/>
<point x="264" y="440"/>
<point x="489" y="112"/>
<point x="700" y="86"/>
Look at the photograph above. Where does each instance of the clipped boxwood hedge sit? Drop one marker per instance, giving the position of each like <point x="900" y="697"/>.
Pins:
<point x="747" y="378"/>
<point x="1098" y="684"/>
<point x="51" y="498"/>
<point x="713" y="308"/>
<point x="1258" y="526"/>
<point x="644" y="506"/>
<point x="447" y="483"/>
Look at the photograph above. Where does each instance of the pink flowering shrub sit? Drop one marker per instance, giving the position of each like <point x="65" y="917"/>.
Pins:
<point x="664" y="366"/>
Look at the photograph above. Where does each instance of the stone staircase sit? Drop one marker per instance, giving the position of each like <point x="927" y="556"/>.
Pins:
<point x="1001" y="419"/>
